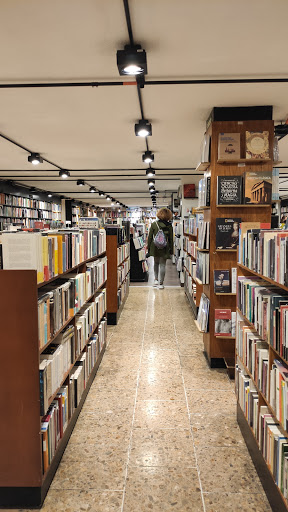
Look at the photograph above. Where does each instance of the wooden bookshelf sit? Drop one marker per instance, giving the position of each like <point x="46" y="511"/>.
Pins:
<point x="113" y="308"/>
<point x="218" y="349"/>
<point x="249" y="271"/>
<point x="202" y="166"/>
<point x="249" y="161"/>
<point x="22" y="483"/>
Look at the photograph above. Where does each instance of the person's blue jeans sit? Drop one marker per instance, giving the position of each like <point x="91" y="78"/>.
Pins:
<point x="159" y="268"/>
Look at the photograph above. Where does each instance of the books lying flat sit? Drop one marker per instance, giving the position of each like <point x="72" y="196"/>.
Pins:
<point x="229" y="146"/>
<point x="227" y="233"/>
<point x="258" y="187"/>
<point x="229" y="190"/>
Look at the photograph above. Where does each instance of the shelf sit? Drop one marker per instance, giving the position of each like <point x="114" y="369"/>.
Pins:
<point x="198" y="327"/>
<point x="243" y="205"/>
<point x="226" y="250"/>
<point x="202" y="166"/>
<point x="39" y="285"/>
<point x="69" y="320"/>
<point x="190" y="234"/>
<point x="77" y="359"/>
<point x="225" y="337"/>
<point x="243" y="161"/>
<point x="197" y="281"/>
<point x="118" y="288"/>
<point x="263" y="277"/>
<point x="125" y="260"/>
<point x="202" y="250"/>
<point x="232" y="294"/>
<point x="200" y="208"/>
<point x="247" y="321"/>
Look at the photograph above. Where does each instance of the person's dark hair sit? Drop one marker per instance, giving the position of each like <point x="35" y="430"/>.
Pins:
<point x="164" y="214"/>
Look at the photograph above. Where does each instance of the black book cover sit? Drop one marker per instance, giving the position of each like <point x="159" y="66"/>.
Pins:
<point x="1" y="258"/>
<point x="208" y="186"/>
<point x="227" y="233"/>
<point x="229" y="189"/>
<point x="222" y="281"/>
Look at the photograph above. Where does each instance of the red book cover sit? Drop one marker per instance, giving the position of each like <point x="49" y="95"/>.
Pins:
<point x="189" y="190"/>
<point x="223" y="322"/>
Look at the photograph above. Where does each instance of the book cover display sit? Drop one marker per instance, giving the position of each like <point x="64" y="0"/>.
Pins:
<point x="229" y="146"/>
<point x="189" y="190"/>
<point x="222" y="281"/>
<point x="257" y="145"/>
<point x="227" y="233"/>
<point x="223" y="322"/>
<point x="258" y="187"/>
<point x="229" y="190"/>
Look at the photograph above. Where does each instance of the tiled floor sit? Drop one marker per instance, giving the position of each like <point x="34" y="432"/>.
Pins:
<point x="158" y="429"/>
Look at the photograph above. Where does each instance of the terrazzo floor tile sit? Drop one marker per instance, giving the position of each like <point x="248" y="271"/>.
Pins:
<point x="221" y="430"/>
<point x="161" y="414"/>
<point x="101" y="437"/>
<point x="203" y="379"/>
<point x="227" y="502"/>
<point x="191" y="363"/>
<point x="201" y="401"/>
<point x="162" y="489"/>
<point x="83" y="500"/>
<point x="161" y="392"/>
<point x="108" y="452"/>
<point x="167" y="447"/>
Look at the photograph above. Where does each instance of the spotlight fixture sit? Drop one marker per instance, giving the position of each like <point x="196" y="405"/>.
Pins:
<point x="32" y="189"/>
<point x="132" y="60"/>
<point x="49" y="194"/>
<point x="112" y="204"/>
<point x="150" y="172"/>
<point x="108" y="198"/>
<point x="64" y="174"/>
<point x="148" y="157"/>
<point x="80" y="183"/>
<point x="101" y="194"/>
<point x="151" y="182"/>
<point x="92" y="189"/>
<point x="117" y="202"/>
<point x="35" y="159"/>
<point x="152" y="190"/>
<point x="119" y="210"/>
<point x="143" y="128"/>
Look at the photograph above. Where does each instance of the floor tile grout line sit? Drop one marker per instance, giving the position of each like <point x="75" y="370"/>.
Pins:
<point x="189" y="416"/>
<point x="135" y="405"/>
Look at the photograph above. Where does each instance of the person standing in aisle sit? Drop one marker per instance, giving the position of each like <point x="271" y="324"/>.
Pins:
<point x="160" y="244"/>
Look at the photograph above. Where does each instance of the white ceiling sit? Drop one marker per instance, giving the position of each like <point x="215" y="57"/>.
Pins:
<point x="85" y="128"/>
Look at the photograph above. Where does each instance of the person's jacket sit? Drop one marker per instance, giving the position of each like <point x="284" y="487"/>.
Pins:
<point x="168" y="232"/>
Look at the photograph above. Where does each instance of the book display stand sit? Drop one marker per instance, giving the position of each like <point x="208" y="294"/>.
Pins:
<point x="118" y="255"/>
<point x="191" y="282"/>
<point x="220" y="351"/>
<point x="23" y="481"/>
<point x="137" y="273"/>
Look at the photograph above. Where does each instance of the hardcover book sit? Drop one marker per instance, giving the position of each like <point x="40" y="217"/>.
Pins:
<point x="229" y="146"/>
<point x="229" y="189"/>
<point x="258" y="187"/>
<point x="189" y="190"/>
<point x="257" y="145"/>
<point x="227" y="233"/>
<point x="222" y="281"/>
<point x="223" y="322"/>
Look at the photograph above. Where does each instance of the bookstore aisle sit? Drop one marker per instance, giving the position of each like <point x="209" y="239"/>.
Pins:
<point x="171" y="275"/>
<point x="158" y="431"/>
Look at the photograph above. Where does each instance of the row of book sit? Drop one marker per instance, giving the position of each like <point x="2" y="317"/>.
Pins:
<point x="62" y="299"/>
<point x="52" y="252"/>
<point x="203" y="313"/>
<point x="123" y="252"/>
<point x="264" y="250"/>
<point x="57" y="359"/>
<point x="204" y="235"/>
<point x="191" y="224"/>
<point x="266" y="307"/>
<point x="190" y="265"/>
<point x="138" y="242"/>
<point x="122" y="271"/>
<point x="122" y="291"/>
<point x="61" y="409"/>
<point x="273" y="444"/>
<point x="204" y="190"/>
<point x="202" y="267"/>
<point x="11" y="211"/>
<point x="26" y="202"/>
<point x="254" y="353"/>
<point x="190" y="246"/>
<point x="189" y="285"/>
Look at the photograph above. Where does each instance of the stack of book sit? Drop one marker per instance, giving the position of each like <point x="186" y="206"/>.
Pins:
<point x="123" y="252"/>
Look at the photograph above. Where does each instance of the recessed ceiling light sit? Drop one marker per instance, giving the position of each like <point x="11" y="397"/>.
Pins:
<point x="132" y="60"/>
<point x="148" y="157"/>
<point x="80" y="183"/>
<point x="143" y="128"/>
<point x="64" y="174"/>
<point x="35" y="159"/>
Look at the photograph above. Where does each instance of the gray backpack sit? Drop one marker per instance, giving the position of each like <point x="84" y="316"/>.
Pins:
<point x="160" y="239"/>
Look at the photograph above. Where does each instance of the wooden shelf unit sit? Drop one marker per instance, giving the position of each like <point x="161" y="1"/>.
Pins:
<point x="22" y="483"/>
<point x="273" y="492"/>
<point x="217" y="349"/>
<point x="199" y="285"/>
<point x="113" y="311"/>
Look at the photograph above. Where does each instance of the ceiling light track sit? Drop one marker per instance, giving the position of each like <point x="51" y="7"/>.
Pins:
<point x="28" y="151"/>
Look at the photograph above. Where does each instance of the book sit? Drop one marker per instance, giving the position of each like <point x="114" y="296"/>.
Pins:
<point x="227" y="233"/>
<point x="233" y="279"/>
<point x="257" y="145"/>
<point x="203" y="313"/>
<point x="229" y="190"/>
<point x="223" y="322"/>
<point x="229" y="146"/>
<point x="189" y="191"/>
<point x="258" y="187"/>
<point x="222" y="281"/>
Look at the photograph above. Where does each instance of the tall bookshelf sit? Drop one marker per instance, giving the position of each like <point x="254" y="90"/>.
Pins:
<point x="191" y="282"/>
<point x="221" y="351"/>
<point x="118" y="272"/>
<point x="22" y="482"/>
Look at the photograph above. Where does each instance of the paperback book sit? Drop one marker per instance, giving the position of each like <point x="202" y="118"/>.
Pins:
<point x="257" y="145"/>
<point x="227" y="233"/>
<point x="223" y="322"/>
<point x="258" y="187"/>
<point x="222" y="281"/>
<point x="229" y="146"/>
<point x="229" y="190"/>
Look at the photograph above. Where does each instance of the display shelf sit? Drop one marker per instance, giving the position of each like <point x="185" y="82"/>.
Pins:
<point x="198" y="327"/>
<point x="271" y="281"/>
<point x="233" y="294"/>
<point x="113" y="235"/>
<point x="242" y="205"/>
<point x="202" y="250"/>
<point x="123" y="261"/>
<point x="225" y="337"/>
<point x="191" y="301"/>
<point x="244" y="161"/>
<point x="226" y="250"/>
<point x="202" y="166"/>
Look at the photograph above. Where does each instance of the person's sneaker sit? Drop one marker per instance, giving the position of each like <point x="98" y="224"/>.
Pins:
<point x="155" y="283"/>
<point x="161" y="286"/>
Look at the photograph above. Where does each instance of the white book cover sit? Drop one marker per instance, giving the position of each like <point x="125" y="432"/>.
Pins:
<point x="234" y="280"/>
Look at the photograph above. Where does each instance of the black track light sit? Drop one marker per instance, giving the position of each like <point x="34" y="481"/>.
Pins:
<point x="80" y="183"/>
<point x="151" y="182"/>
<point x="132" y="60"/>
<point x="92" y="189"/>
<point x="108" y="198"/>
<point x="101" y="194"/>
<point x="64" y="174"/>
<point x="150" y="172"/>
<point x="148" y="157"/>
<point x="49" y="194"/>
<point x="32" y="189"/>
<point x="35" y="159"/>
<point x="143" y="128"/>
